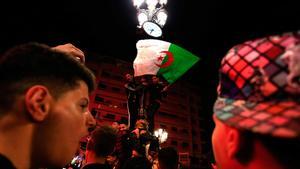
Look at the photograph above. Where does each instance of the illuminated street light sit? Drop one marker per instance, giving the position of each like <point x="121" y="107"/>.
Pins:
<point x="161" y="134"/>
<point x="151" y="11"/>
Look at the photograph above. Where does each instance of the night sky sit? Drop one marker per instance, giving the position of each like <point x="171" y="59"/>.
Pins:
<point x="108" y="27"/>
<point x="206" y="28"/>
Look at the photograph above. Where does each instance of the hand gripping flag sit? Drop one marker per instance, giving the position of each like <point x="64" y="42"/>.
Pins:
<point x="157" y="57"/>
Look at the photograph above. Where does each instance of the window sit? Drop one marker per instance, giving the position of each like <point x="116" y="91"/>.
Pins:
<point x="195" y="160"/>
<point x="115" y="89"/>
<point x="185" y="145"/>
<point x="193" y="120"/>
<point x="124" y="119"/>
<point x="194" y="132"/>
<point x="124" y="105"/>
<point x="110" y="116"/>
<point x="192" y="109"/>
<point x="174" y="129"/>
<point x="117" y="77"/>
<point x="182" y="106"/>
<point x="167" y="115"/>
<point x="195" y="146"/>
<point x="105" y="74"/>
<point x="174" y="143"/>
<point x="185" y="131"/>
<point x="101" y="86"/>
<point x="163" y="126"/>
<point x="99" y="99"/>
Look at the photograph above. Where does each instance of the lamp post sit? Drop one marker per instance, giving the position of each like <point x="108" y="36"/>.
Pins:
<point x="152" y="11"/>
<point x="161" y="134"/>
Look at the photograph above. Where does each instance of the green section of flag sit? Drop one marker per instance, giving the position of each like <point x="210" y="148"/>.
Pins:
<point x="183" y="61"/>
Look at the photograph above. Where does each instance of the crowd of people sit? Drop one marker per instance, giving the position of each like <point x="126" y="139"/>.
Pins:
<point x="44" y="98"/>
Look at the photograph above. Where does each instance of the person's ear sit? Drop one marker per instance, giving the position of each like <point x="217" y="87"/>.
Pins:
<point x="233" y="141"/>
<point x="37" y="101"/>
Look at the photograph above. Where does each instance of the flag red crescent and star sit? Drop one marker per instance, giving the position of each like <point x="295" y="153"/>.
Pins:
<point x="168" y="62"/>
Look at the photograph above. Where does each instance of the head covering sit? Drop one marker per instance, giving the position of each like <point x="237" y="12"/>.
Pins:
<point x="259" y="87"/>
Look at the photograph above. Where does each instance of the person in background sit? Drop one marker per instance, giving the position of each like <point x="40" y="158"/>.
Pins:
<point x="158" y="91"/>
<point x="115" y="125"/>
<point x="122" y="151"/>
<point x="133" y="96"/>
<point x="44" y="98"/>
<point x="139" y="140"/>
<point x="257" y="112"/>
<point x="100" y="145"/>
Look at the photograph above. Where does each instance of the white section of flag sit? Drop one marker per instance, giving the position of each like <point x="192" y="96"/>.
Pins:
<point x="147" y="53"/>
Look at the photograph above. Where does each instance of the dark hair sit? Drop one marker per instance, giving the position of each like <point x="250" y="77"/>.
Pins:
<point x="37" y="64"/>
<point x="284" y="150"/>
<point x="123" y="121"/>
<point x="103" y="141"/>
<point x="168" y="158"/>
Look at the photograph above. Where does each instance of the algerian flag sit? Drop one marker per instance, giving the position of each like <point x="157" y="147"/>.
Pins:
<point x="157" y="57"/>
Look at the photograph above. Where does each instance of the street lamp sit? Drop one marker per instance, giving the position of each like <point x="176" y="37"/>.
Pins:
<point x="151" y="11"/>
<point x="161" y="134"/>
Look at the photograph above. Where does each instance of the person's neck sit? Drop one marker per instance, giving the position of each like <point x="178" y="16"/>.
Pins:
<point x="262" y="159"/>
<point x="15" y="141"/>
<point x="92" y="158"/>
<point x="98" y="160"/>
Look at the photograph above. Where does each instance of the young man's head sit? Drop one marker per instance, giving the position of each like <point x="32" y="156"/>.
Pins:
<point x="128" y="77"/>
<point x="123" y="125"/>
<point x="168" y="158"/>
<point x="115" y="125"/>
<point x="102" y="141"/>
<point x="155" y="79"/>
<point x="142" y="125"/>
<point x="257" y="113"/>
<point x="44" y="97"/>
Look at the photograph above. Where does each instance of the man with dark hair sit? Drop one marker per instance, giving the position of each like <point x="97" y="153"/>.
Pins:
<point x="100" y="145"/>
<point x="257" y="113"/>
<point x="133" y="95"/>
<point x="158" y="91"/>
<point x="168" y="158"/>
<point x="122" y="150"/>
<point x="44" y="97"/>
